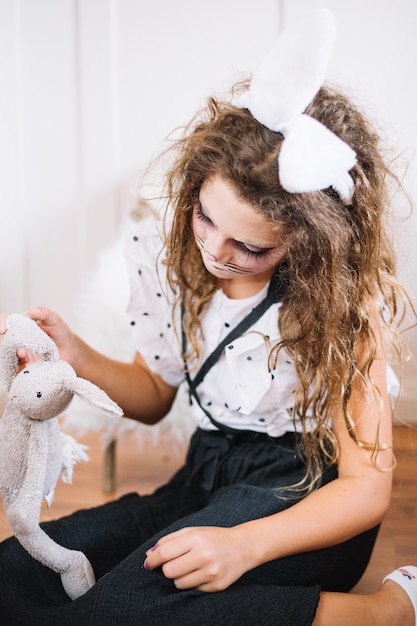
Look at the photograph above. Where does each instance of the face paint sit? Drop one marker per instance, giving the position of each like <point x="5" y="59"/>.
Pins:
<point x="234" y="239"/>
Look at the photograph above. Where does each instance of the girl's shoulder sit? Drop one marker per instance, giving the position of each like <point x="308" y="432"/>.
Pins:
<point x="143" y="238"/>
<point x="145" y="255"/>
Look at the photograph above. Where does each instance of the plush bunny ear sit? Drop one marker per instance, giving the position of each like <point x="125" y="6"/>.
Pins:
<point x="23" y="332"/>
<point x="94" y="396"/>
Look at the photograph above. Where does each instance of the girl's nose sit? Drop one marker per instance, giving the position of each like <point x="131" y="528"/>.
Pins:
<point x="210" y="256"/>
<point x="216" y="250"/>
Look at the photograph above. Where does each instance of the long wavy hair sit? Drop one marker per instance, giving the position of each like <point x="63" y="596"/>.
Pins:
<point x="340" y="262"/>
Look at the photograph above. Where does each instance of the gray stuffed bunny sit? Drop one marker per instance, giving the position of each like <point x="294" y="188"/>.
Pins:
<point x="34" y="452"/>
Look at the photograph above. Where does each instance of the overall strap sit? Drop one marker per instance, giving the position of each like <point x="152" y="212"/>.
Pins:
<point x="275" y="293"/>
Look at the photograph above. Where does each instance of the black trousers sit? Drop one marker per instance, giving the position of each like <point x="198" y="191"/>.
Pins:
<point x="226" y="480"/>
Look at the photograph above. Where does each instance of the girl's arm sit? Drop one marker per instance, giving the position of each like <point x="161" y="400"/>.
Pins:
<point x="357" y="500"/>
<point x="141" y="394"/>
<point x="213" y="558"/>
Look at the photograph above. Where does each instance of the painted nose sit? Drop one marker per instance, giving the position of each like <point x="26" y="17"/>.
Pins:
<point x="210" y="256"/>
<point x="216" y="250"/>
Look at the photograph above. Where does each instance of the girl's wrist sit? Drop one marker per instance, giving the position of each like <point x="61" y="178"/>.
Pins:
<point x="77" y="355"/>
<point x="254" y="543"/>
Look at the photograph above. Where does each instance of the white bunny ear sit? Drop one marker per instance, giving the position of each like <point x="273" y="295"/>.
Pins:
<point x="312" y="157"/>
<point x="94" y="396"/>
<point x="293" y="71"/>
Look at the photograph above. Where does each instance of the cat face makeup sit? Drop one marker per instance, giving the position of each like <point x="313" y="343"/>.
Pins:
<point x="235" y="241"/>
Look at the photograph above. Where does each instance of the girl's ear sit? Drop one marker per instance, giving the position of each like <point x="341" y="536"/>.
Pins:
<point x="94" y="396"/>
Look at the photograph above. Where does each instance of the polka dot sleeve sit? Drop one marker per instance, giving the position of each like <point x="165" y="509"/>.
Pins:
<point x="151" y="301"/>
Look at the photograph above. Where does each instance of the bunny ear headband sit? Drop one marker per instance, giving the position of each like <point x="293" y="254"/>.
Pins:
<point x="311" y="157"/>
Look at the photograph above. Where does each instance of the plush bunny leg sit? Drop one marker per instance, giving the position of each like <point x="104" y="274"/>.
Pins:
<point x="75" y="569"/>
<point x="23" y="513"/>
<point x="79" y="578"/>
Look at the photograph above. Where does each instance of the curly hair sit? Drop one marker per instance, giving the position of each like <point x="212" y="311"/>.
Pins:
<point x="340" y="261"/>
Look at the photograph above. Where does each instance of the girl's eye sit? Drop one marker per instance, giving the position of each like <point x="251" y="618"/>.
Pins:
<point x="254" y="254"/>
<point x="201" y="215"/>
<point x="251" y="253"/>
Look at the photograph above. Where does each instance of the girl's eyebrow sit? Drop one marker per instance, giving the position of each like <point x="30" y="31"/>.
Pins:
<point x="255" y="244"/>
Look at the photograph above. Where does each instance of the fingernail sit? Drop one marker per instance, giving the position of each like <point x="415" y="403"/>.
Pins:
<point x="152" y="549"/>
<point x="146" y="566"/>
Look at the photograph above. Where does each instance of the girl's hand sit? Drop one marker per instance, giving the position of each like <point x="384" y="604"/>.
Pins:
<point x="26" y="357"/>
<point x="55" y="327"/>
<point x="204" y="558"/>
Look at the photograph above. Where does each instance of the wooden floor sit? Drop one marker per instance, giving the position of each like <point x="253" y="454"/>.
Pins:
<point x="143" y="469"/>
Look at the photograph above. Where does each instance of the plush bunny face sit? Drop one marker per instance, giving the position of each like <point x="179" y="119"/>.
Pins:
<point x="41" y="390"/>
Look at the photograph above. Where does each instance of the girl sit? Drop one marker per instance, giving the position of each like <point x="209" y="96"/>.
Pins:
<point x="267" y="300"/>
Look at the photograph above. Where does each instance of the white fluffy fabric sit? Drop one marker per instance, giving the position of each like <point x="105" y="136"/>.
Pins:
<point x="312" y="157"/>
<point x="103" y="322"/>
<point x="282" y="86"/>
<point x="292" y="72"/>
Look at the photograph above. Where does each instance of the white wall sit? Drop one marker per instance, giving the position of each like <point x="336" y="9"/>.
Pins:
<point x="89" y="88"/>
